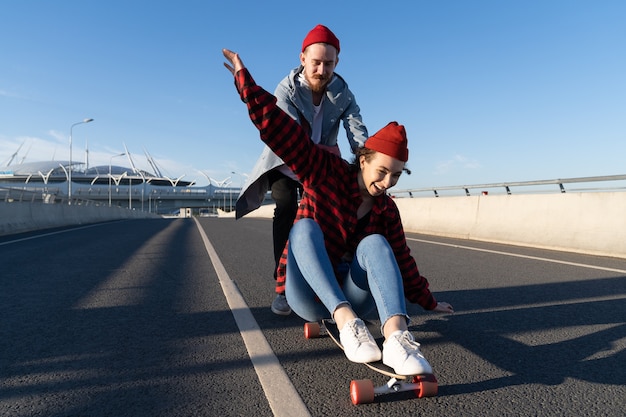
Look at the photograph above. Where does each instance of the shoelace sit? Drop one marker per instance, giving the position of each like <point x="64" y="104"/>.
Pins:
<point x="409" y="344"/>
<point x="358" y="332"/>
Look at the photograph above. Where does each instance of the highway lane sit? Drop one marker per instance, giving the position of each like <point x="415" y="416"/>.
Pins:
<point x="129" y="318"/>
<point x="120" y="319"/>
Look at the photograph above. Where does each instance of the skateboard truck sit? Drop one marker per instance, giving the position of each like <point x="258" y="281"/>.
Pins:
<point x="363" y="391"/>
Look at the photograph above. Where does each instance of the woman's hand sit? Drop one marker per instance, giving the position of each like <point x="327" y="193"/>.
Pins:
<point x="236" y="64"/>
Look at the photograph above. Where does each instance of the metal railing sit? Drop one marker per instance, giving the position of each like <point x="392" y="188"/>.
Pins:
<point x="51" y="195"/>
<point x="154" y="200"/>
<point x="529" y="186"/>
<point x="47" y="195"/>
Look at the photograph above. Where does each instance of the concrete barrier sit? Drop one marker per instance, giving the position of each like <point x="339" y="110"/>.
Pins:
<point x="18" y="217"/>
<point x="591" y="223"/>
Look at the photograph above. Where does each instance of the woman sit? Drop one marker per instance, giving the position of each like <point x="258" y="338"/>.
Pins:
<point x="347" y="247"/>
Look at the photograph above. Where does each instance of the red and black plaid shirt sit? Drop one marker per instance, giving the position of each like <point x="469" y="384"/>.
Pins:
<point x="331" y="192"/>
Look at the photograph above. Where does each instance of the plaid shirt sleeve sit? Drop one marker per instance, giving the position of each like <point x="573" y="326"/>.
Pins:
<point x="277" y="129"/>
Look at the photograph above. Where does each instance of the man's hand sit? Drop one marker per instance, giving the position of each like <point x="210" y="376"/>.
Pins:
<point x="236" y="64"/>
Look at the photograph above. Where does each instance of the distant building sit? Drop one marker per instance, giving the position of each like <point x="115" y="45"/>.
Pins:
<point x="115" y="185"/>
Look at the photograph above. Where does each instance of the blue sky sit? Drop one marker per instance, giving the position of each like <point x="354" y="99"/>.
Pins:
<point x="489" y="91"/>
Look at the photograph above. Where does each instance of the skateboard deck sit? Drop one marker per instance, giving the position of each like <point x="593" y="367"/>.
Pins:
<point x="363" y="390"/>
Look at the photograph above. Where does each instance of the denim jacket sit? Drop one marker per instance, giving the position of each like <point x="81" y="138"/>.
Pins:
<point x="295" y="98"/>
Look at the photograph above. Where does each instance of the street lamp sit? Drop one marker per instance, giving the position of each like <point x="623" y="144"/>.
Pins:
<point x="240" y="185"/>
<point x="110" y="160"/>
<point x="69" y="175"/>
<point x="240" y="178"/>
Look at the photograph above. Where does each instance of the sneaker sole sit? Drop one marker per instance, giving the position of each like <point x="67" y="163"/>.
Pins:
<point x="281" y="312"/>
<point x="423" y="371"/>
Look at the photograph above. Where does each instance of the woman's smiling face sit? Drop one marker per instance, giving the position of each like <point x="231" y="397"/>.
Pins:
<point x="379" y="172"/>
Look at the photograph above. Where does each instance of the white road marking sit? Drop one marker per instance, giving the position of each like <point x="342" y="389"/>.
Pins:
<point x="282" y="396"/>
<point x="73" y="229"/>
<point x="556" y="261"/>
<point x="568" y="302"/>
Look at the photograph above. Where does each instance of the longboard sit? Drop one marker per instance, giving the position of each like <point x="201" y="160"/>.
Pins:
<point x="363" y="391"/>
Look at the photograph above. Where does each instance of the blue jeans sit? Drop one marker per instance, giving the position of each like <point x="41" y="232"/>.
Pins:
<point x="372" y="279"/>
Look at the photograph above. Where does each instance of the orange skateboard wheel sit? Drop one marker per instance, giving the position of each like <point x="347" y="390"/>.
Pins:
<point x="311" y="330"/>
<point x="361" y="391"/>
<point x="428" y="386"/>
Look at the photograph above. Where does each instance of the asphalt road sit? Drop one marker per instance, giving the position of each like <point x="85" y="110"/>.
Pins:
<point x="139" y="318"/>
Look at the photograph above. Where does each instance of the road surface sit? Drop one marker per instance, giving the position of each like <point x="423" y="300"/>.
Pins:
<point x="170" y="317"/>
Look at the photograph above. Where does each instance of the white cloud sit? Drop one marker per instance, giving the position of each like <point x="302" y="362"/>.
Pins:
<point x="456" y="162"/>
<point x="4" y="93"/>
<point x="59" y="136"/>
<point x="29" y="149"/>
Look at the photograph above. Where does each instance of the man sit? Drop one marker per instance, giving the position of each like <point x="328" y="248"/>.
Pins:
<point x="318" y="99"/>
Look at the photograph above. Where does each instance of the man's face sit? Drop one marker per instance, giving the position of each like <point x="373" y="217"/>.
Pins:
<point x="319" y="61"/>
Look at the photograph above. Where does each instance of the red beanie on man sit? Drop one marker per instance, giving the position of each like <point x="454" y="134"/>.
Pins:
<point x="390" y="140"/>
<point x="320" y="34"/>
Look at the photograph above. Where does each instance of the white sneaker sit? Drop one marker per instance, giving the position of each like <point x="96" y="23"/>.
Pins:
<point x="358" y="344"/>
<point x="402" y="353"/>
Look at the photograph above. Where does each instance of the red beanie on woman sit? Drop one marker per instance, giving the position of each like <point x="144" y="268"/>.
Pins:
<point x="390" y="140"/>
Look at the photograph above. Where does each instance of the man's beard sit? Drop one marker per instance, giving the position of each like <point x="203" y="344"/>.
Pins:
<point x="319" y="84"/>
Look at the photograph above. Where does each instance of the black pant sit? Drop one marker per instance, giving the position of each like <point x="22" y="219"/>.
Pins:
<point x="285" y="195"/>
